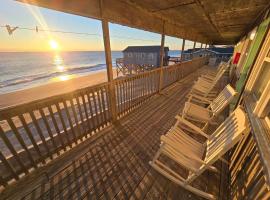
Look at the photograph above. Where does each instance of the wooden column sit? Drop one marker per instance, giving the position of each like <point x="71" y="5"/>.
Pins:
<point x="194" y="45"/>
<point x="108" y="56"/>
<point x="201" y="45"/>
<point x="183" y="49"/>
<point x="161" y="59"/>
<point x="205" y="46"/>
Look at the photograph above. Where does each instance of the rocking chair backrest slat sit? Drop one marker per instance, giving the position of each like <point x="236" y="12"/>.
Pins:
<point x="199" y="85"/>
<point x="226" y="135"/>
<point x="176" y="155"/>
<point x="222" y="100"/>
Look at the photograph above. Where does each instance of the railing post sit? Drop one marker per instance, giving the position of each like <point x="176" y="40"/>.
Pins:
<point x="107" y="47"/>
<point x="161" y="57"/>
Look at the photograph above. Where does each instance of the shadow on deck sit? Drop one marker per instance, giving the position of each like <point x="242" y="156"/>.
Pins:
<point x="114" y="165"/>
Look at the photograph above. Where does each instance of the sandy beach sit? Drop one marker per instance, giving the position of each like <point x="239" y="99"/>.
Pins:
<point x="51" y="89"/>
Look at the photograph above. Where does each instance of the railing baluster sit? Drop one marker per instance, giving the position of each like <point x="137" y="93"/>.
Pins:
<point x="80" y="113"/>
<point x="96" y="110"/>
<point x="125" y="95"/>
<point x="48" y="129"/>
<point x="93" y="121"/>
<point x="57" y="128"/>
<point x="59" y="111"/>
<point x="76" y="119"/>
<point x="39" y="131"/>
<point x="66" y="109"/>
<point x="12" y="150"/>
<point x="20" y="139"/>
<point x="108" y="101"/>
<point x="85" y="110"/>
<point x="30" y="135"/>
<point x="103" y="105"/>
<point x="8" y="167"/>
<point x="101" y="113"/>
<point x="122" y="97"/>
<point x="129" y="94"/>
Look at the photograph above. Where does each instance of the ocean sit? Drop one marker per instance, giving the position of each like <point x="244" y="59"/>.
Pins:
<point x="21" y="70"/>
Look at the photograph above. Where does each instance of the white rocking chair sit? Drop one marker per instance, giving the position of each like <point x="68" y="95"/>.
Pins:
<point x="196" y="157"/>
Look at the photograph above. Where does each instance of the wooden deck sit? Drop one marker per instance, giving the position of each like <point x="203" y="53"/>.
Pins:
<point x="114" y="163"/>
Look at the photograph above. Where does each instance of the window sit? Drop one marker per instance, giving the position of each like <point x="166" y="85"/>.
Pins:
<point x="261" y="83"/>
<point x="129" y="55"/>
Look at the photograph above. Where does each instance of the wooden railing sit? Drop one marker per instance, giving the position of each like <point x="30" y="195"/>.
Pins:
<point x="132" y="91"/>
<point x="33" y="134"/>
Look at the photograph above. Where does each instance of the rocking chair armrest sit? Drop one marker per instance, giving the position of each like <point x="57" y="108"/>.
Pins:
<point x="192" y="126"/>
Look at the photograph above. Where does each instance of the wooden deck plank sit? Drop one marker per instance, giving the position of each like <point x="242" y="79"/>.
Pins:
<point x="115" y="164"/>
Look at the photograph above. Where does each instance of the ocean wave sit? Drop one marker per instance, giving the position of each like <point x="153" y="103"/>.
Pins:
<point x="37" y="77"/>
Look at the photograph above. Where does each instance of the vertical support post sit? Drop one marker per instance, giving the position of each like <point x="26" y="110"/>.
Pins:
<point x="205" y="51"/>
<point x="161" y="57"/>
<point x="201" y="45"/>
<point x="108" y="56"/>
<point x="194" y="45"/>
<point x="182" y="50"/>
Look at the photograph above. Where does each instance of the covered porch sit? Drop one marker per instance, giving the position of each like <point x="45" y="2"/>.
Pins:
<point x="96" y="142"/>
<point x="114" y="164"/>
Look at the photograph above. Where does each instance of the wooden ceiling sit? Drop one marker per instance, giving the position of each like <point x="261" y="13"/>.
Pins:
<point x="206" y="21"/>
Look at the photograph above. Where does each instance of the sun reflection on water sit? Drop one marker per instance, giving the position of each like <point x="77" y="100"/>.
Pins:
<point x="59" y="63"/>
<point x="64" y="77"/>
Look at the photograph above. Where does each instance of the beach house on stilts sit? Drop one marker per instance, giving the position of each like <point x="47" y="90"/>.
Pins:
<point x="137" y="59"/>
<point x="184" y="131"/>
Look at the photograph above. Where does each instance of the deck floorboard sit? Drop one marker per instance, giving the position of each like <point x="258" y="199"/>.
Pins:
<point x="116" y="164"/>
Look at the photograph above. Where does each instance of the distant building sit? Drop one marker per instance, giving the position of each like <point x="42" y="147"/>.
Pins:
<point x="144" y="55"/>
<point x="220" y="53"/>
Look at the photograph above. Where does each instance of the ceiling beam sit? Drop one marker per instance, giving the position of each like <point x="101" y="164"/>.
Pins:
<point x="172" y="7"/>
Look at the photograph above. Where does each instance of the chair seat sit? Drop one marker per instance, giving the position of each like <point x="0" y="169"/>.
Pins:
<point x="197" y="112"/>
<point x="181" y="147"/>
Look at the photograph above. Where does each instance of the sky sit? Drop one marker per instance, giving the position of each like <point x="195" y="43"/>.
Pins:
<point x="25" y="16"/>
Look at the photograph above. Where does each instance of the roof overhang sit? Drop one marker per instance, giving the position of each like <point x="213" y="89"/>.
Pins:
<point x="206" y="21"/>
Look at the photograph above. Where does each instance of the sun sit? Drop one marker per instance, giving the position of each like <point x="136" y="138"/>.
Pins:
<point x="53" y="44"/>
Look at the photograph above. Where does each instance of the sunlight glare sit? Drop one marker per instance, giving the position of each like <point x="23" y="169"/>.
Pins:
<point x="64" y="78"/>
<point x="53" y="44"/>
<point x="60" y="68"/>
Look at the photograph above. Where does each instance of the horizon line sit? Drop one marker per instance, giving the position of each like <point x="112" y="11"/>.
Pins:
<point x="6" y="51"/>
